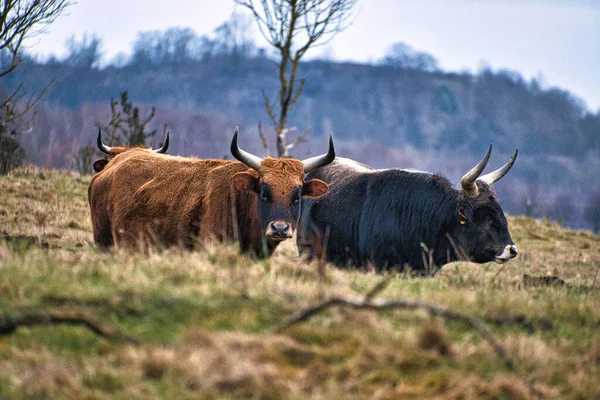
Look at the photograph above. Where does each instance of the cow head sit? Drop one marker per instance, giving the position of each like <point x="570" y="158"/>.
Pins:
<point x="482" y="229"/>
<point x="279" y="185"/>
<point x="113" y="151"/>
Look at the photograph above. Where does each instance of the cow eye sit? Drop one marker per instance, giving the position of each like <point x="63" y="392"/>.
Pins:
<point x="265" y="193"/>
<point x="296" y="196"/>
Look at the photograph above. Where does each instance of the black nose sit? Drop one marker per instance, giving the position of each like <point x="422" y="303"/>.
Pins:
<point x="279" y="229"/>
<point x="513" y="250"/>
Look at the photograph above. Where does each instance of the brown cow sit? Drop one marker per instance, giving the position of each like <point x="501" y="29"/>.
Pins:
<point x="99" y="165"/>
<point x="143" y="198"/>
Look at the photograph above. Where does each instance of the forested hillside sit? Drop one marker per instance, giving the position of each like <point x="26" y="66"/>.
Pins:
<point x="398" y="112"/>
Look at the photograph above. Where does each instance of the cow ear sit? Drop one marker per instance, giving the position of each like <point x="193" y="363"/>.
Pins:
<point x="314" y="188"/>
<point x="246" y="181"/>
<point x="99" y="165"/>
<point x="462" y="217"/>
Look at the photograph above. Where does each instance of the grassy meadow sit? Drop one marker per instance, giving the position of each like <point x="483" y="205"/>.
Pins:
<point x="206" y="322"/>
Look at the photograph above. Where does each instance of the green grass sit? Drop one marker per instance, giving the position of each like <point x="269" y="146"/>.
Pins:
<point x="206" y="319"/>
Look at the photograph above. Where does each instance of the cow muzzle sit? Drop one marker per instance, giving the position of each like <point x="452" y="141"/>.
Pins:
<point x="278" y="231"/>
<point x="509" y="252"/>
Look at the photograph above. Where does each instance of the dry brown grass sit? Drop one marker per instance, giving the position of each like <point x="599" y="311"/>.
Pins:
<point x="204" y="318"/>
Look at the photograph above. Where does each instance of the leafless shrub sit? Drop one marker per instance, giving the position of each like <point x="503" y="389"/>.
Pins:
<point x="84" y="159"/>
<point x="292" y="28"/>
<point x="19" y="20"/>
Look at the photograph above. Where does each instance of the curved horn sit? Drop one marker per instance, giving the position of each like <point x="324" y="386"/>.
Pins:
<point x="165" y="146"/>
<point x="250" y="160"/>
<point x="500" y="172"/>
<point x="468" y="180"/>
<point x="101" y="146"/>
<point x="319" y="161"/>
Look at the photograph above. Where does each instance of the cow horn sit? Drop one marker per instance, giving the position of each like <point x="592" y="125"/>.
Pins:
<point x="165" y="146"/>
<point x="468" y="180"/>
<point x="250" y="160"/>
<point x="103" y="148"/>
<point x="500" y="172"/>
<point x="319" y="161"/>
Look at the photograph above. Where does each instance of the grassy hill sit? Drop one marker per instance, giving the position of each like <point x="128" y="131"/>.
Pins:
<point x="206" y="322"/>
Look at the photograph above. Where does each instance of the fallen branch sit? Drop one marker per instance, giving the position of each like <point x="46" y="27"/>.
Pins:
<point x="10" y="322"/>
<point x="367" y="304"/>
<point x="263" y="139"/>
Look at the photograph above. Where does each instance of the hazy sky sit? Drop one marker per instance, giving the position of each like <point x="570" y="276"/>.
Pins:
<point x="558" y="40"/>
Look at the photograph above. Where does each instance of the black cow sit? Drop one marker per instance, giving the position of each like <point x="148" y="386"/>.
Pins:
<point x="392" y="218"/>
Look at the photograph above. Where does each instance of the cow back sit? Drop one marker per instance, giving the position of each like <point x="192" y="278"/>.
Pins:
<point x="376" y="216"/>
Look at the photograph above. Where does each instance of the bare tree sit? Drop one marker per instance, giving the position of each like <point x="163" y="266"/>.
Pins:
<point x="11" y="154"/>
<point x="233" y="37"/>
<point x="84" y="159"/>
<point x="16" y="118"/>
<point x="19" y="20"/>
<point x="173" y="46"/>
<point x="292" y="27"/>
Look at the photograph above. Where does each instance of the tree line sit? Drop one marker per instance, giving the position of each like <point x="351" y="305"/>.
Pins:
<point x="397" y="111"/>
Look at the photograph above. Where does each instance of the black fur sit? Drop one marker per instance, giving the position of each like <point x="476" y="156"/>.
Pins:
<point x="383" y="216"/>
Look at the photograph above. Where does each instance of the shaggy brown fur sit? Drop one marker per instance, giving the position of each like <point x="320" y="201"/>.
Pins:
<point x="142" y="198"/>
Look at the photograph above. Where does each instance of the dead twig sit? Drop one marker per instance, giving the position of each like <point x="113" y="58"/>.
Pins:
<point x="263" y="139"/>
<point x="460" y="253"/>
<point x="378" y="288"/>
<point x="300" y="139"/>
<point x="427" y="256"/>
<point x="10" y="322"/>
<point x="496" y="275"/>
<point x="472" y="322"/>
